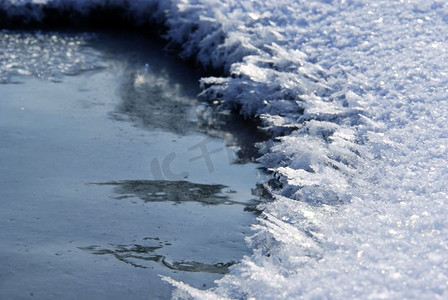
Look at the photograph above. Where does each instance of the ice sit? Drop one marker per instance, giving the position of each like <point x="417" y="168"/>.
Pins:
<point x="45" y="55"/>
<point x="354" y="94"/>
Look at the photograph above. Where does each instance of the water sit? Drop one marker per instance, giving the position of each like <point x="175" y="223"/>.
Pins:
<point x="109" y="178"/>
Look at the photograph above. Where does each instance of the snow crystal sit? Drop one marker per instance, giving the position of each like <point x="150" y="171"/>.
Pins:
<point x="359" y="91"/>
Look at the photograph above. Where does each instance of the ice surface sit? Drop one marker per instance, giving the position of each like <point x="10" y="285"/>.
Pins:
<point x="83" y="212"/>
<point x="45" y="55"/>
<point x="357" y="93"/>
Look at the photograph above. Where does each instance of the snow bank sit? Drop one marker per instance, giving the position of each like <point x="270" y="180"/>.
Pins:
<point x="355" y="93"/>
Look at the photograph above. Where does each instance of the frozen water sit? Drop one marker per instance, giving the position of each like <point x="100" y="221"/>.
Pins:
<point x="45" y="55"/>
<point x="83" y="214"/>
<point x="355" y="92"/>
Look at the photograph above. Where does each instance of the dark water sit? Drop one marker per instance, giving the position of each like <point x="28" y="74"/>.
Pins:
<point x="112" y="174"/>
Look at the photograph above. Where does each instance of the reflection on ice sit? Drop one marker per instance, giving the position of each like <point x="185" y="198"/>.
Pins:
<point x="158" y="101"/>
<point x="128" y="253"/>
<point x="154" y="101"/>
<point x="174" y="191"/>
<point x="240" y="134"/>
<point x="141" y="256"/>
<point x="175" y="253"/>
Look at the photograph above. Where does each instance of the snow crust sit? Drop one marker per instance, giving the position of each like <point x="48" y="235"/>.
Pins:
<point x="355" y="96"/>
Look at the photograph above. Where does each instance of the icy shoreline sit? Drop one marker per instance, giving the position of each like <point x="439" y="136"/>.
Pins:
<point x="356" y="92"/>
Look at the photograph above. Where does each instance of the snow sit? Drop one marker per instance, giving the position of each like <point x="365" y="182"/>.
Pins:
<point x="355" y="96"/>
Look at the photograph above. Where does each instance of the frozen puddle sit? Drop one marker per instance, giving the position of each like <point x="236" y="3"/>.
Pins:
<point x="106" y="181"/>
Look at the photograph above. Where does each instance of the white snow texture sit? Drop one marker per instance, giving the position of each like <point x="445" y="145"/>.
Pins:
<point x="355" y="95"/>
